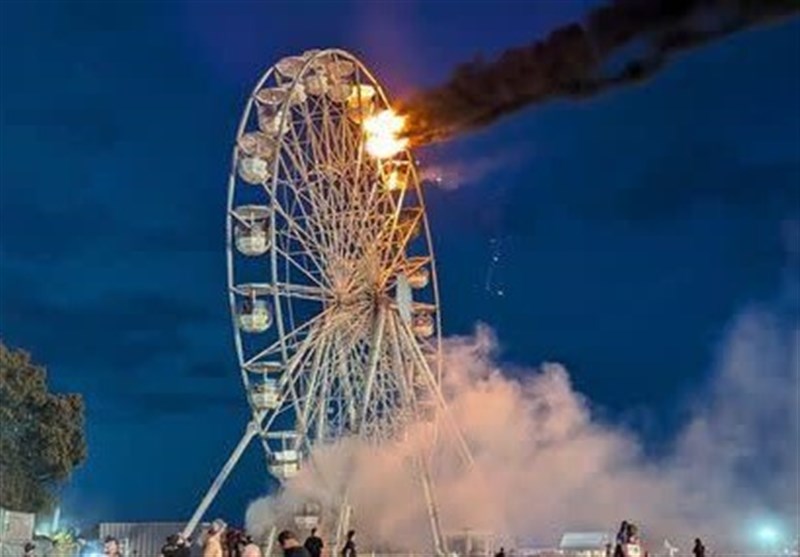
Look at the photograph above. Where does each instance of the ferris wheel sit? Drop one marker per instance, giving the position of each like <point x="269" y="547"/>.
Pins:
<point x="331" y="271"/>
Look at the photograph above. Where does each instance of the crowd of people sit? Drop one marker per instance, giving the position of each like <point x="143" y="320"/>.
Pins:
<point x="219" y="540"/>
<point x="628" y="535"/>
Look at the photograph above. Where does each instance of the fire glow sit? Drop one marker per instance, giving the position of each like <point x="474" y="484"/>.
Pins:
<point x="382" y="131"/>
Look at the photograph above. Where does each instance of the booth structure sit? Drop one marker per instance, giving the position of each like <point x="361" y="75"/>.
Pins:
<point x="16" y="529"/>
<point x="585" y="544"/>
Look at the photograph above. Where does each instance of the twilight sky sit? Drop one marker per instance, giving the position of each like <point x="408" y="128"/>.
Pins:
<point x="628" y="229"/>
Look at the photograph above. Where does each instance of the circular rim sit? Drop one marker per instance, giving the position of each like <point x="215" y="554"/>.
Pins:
<point x="238" y="287"/>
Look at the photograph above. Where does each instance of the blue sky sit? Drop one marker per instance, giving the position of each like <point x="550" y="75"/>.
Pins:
<point x="631" y="226"/>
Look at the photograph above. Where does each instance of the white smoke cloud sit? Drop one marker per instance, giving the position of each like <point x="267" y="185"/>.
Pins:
<point x="544" y="465"/>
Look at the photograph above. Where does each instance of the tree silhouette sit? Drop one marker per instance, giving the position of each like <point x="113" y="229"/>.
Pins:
<point x="41" y="434"/>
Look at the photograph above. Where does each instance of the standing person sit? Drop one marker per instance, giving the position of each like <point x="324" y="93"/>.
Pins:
<point x="213" y="543"/>
<point x="290" y="545"/>
<point x="314" y="544"/>
<point x="349" y="549"/>
<point x="501" y="553"/>
<point x="170" y="549"/>
<point x="699" y="549"/>
<point x="622" y="533"/>
<point x="250" y="549"/>
<point x="111" y="547"/>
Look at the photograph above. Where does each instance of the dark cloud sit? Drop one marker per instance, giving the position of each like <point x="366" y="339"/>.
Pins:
<point x="578" y="60"/>
<point x="118" y="332"/>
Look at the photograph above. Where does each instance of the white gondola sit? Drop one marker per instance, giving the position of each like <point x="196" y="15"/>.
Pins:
<point x="340" y="69"/>
<point x="315" y="83"/>
<point x="253" y="240"/>
<point x="307" y="516"/>
<point x="271" y="122"/>
<point x="284" y="464"/>
<point x="339" y="91"/>
<point x="252" y="230"/>
<point x="257" y="144"/>
<point x="423" y="325"/>
<point x="266" y="395"/>
<point x="396" y="180"/>
<point x="253" y="170"/>
<point x="419" y="278"/>
<point x="254" y="315"/>
<point x="361" y="103"/>
<point x="290" y="66"/>
<point x="396" y="174"/>
<point x="274" y="97"/>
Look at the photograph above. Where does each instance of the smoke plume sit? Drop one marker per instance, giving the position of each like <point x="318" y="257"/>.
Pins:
<point x="544" y="464"/>
<point x="575" y="61"/>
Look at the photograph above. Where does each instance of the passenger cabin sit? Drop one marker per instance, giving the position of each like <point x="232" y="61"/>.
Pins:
<point x="290" y="66"/>
<point x="395" y="174"/>
<point x="254" y="315"/>
<point x="252" y="229"/>
<point x="419" y="278"/>
<point x="265" y="395"/>
<point x="253" y="170"/>
<point x="284" y="461"/>
<point x="361" y="103"/>
<point x="284" y="464"/>
<point x="423" y="325"/>
<point x="307" y="516"/>
<point x="257" y="144"/>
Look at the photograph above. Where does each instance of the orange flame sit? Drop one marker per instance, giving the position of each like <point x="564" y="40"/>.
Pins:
<point x="382" y="134"/>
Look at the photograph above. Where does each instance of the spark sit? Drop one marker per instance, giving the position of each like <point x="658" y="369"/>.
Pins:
<point x="382" y="132"/>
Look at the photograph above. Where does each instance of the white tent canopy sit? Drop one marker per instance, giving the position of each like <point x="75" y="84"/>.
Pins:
<point x="576" y="541"/>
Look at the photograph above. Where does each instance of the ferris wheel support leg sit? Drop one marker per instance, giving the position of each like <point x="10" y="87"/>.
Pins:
<point x="251" y="431"/>
<point x="433" y="512"/>
<point x="374" y="355"/>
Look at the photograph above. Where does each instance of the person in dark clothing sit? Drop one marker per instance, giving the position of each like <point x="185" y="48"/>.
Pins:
<point x="291" y="546"/>
<point x="699" y="549"/>
<point x="183" y="547"/>
<point x="622" y="533"/>
<point x="501" y="553"/>
<point x="349" y="549"/>
<point x="314" y="544"/>
<point x="29" y="549"/>
<point x="170" y="549"/>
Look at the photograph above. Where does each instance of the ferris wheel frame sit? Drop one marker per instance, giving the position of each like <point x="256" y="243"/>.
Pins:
<point x="394" y="309"/>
